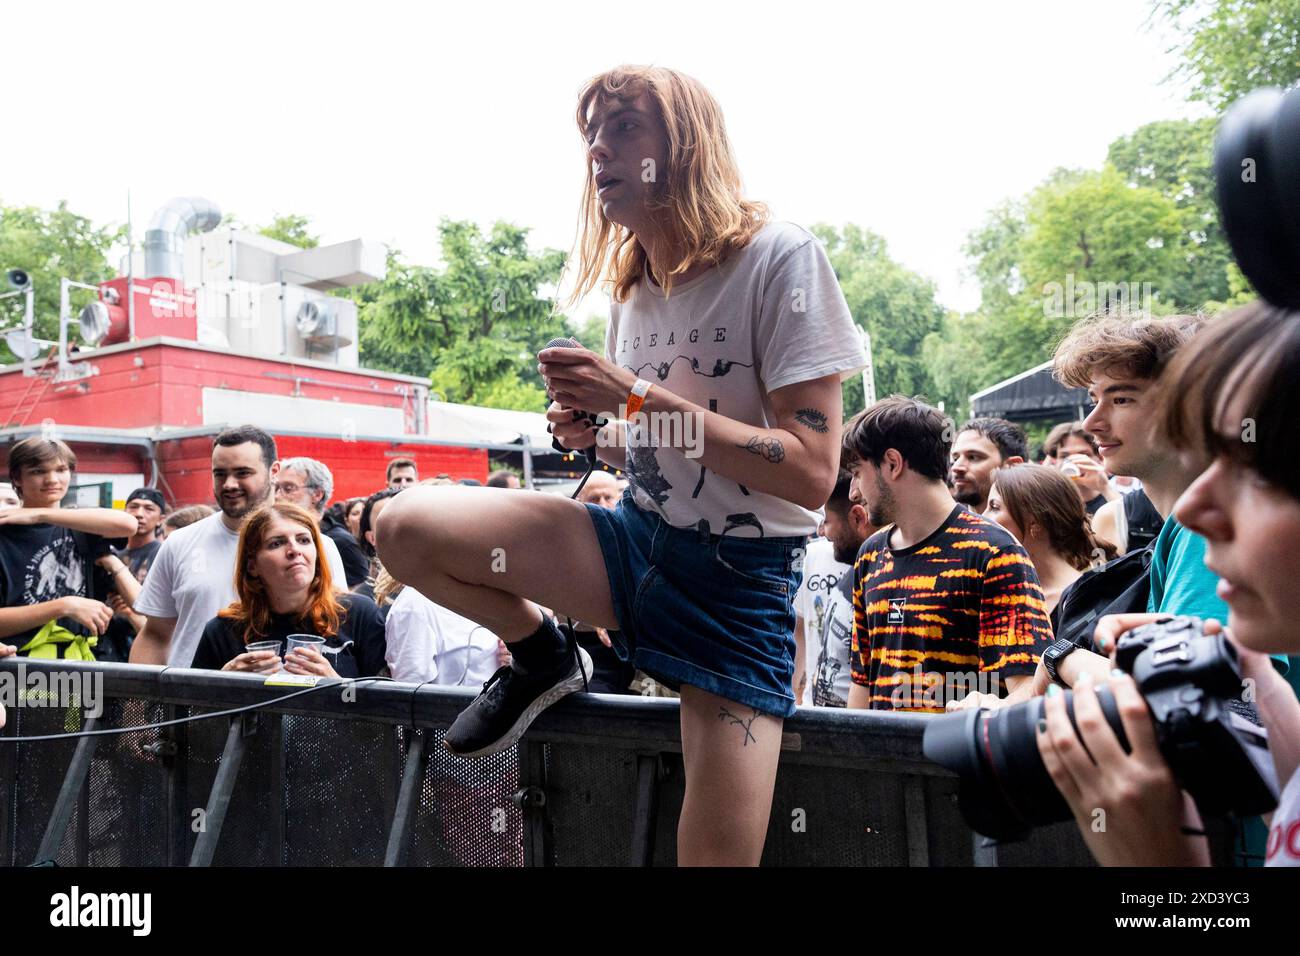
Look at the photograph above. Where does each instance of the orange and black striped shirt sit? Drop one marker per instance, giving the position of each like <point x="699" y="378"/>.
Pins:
<point x="958" y="612"/>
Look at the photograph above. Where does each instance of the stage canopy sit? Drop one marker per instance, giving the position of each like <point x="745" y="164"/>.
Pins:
<point x="1031" y="396"/>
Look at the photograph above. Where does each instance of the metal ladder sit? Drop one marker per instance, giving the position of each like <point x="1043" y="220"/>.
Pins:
<point x="32" y="395"/>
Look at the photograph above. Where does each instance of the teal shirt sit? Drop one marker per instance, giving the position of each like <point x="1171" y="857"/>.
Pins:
<point x="1182" y="584"/>
<point x="1180" y="581"/>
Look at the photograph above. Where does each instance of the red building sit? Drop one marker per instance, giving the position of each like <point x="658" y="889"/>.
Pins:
<point x="218" y="335"/>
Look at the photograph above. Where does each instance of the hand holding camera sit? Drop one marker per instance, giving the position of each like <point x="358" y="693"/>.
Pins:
<point x="1172" y="721"/>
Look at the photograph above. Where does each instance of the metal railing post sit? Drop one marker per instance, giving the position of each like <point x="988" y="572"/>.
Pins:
<point x="223" y="787"/>
<point x="73" y="782"/>
<point x="644" y="822"/>
<point x="408" y="800"/>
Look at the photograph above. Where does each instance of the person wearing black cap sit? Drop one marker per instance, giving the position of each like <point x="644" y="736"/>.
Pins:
<point x="126" y="569"/>
<point x="147" y="507"/>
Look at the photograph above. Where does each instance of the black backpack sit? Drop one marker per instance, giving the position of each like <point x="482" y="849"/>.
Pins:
<point x="1117" y="587"/>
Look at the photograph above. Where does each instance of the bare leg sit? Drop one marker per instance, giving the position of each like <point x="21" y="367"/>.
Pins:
<point x="488" y="553"/>
<point x="730" y="752"/>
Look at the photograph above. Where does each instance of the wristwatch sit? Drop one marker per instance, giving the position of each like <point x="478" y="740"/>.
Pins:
<point x="1056" y="652"/>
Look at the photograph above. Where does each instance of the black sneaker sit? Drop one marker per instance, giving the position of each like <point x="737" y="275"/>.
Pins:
<point x="511" y="701"/>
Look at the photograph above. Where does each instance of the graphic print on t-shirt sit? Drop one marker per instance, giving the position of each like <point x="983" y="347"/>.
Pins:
<point x="770" y="316"/>
<point x="53" y="571"/>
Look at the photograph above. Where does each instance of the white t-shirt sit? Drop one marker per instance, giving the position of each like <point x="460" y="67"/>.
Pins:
<point x="1283" y="847"/>
<point x="772" y="315"/>
<point x="825" y="603"/>
<point x="193" y="577"/>
<point x="427" y="642"/>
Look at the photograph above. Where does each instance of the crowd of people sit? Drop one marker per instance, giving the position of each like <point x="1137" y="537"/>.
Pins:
<point x="896" y="562"/>
<point x="233" y="588"/>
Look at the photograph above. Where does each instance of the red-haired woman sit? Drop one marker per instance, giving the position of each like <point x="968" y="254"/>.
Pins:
<point x="283" y="589"/>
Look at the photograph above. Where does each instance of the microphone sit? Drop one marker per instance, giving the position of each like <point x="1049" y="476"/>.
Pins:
<point x="567" y="343"/>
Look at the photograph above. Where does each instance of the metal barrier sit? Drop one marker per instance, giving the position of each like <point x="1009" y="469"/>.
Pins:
<point x="356" y="774"/>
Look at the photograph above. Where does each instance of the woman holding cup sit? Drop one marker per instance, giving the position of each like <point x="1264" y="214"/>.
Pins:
<point x="287" y="615"/>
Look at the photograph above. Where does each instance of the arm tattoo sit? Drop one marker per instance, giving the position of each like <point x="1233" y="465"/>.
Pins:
<point x="811" y="418"/>
<point x="742" y="723"/>
<point x="768" y="448"/>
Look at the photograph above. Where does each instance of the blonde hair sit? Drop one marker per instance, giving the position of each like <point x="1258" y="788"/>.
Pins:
<point x="707" y="217"/>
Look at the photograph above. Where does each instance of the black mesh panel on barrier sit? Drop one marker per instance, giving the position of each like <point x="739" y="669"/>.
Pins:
<point x="466" y="814"/>
<point x="850" y="818"/>
<point x="39" y="769"/>
<point x="341" y="780"/>
<point x="590" y="804"/>
<point x="127" y="791"/>
<point x="598" y="784"/>
<point x="253" y="831"/>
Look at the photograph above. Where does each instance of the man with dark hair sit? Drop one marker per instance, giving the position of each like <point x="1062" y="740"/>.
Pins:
<point x="982" y="446"/>
<point x="309" y="484"/>
<point x="48" y="555"/>
<point x="193" y="573"/>
<point x="128" y="567"/>
<point x="402" y="473"/>
<point x="503" y="479"/>
<point x="1120" y="359"/>
<point x="823" y="606"/>
<point x="944" y="600"/>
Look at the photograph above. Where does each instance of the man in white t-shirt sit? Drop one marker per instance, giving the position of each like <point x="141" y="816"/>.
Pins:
<point x="193" y="573"/>
<point x="427" y="643"/>
<point x="823" y="607"/>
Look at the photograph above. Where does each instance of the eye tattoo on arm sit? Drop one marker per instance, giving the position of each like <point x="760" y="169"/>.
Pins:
<point x="811" y="418"/>
<point x="768" y="448"/>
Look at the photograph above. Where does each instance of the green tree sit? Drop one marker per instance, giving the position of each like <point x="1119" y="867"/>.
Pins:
<point x="291" y="229"/>
<point x="897" y="306"/>
<point x="1045" y="261"/>
<point x="1175" y="157"/>
<point x="1230" y="47"/>
<point x="955" y="358"/>
<point x="591" y="333"/>
<point x="50" y="245"/>
<point x="474" y="325"/>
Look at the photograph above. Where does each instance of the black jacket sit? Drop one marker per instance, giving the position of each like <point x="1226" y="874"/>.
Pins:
<point x="355" y="563"/>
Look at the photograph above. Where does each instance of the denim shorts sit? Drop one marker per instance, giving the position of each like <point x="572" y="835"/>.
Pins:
<point x="712" y="611"/>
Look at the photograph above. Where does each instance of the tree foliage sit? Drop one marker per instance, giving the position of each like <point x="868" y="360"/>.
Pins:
<point x="474" y="325"/>
<point x="1230" y="47"/>
<point x="895" y="305"/>
<point x="1175" y="157"/>
<point x="50" y="245"/>
<point x="291" y="229"/>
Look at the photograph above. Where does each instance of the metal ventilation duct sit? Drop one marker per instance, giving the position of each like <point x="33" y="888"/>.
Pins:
<point x="165" y="237"/>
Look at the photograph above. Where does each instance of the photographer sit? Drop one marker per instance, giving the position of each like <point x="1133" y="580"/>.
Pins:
<point x="1230" y="396"/>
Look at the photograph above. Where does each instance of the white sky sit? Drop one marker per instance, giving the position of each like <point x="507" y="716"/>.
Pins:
<point x="375" y="119"/>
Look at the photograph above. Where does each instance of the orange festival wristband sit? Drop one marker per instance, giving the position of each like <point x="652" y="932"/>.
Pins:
<point x="636" y="397"/>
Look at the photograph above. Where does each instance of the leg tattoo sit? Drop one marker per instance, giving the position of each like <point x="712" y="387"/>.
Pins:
<point x="742" y="723"/>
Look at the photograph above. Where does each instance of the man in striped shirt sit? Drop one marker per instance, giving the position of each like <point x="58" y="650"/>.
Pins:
<point x="945" y="601"/>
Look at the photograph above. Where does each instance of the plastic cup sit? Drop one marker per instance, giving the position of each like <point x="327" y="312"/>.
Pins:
<point x="303" y="640"/>
<point x="273" y="646"/>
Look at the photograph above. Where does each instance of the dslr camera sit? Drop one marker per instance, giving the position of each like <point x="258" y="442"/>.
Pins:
<point x="1191" y="682"/>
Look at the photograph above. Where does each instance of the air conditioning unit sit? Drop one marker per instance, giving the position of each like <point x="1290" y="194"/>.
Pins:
<point x="320" y="327"/>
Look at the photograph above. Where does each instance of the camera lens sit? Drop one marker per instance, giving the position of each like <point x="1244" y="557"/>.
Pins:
<point x="1005" y="788"/>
